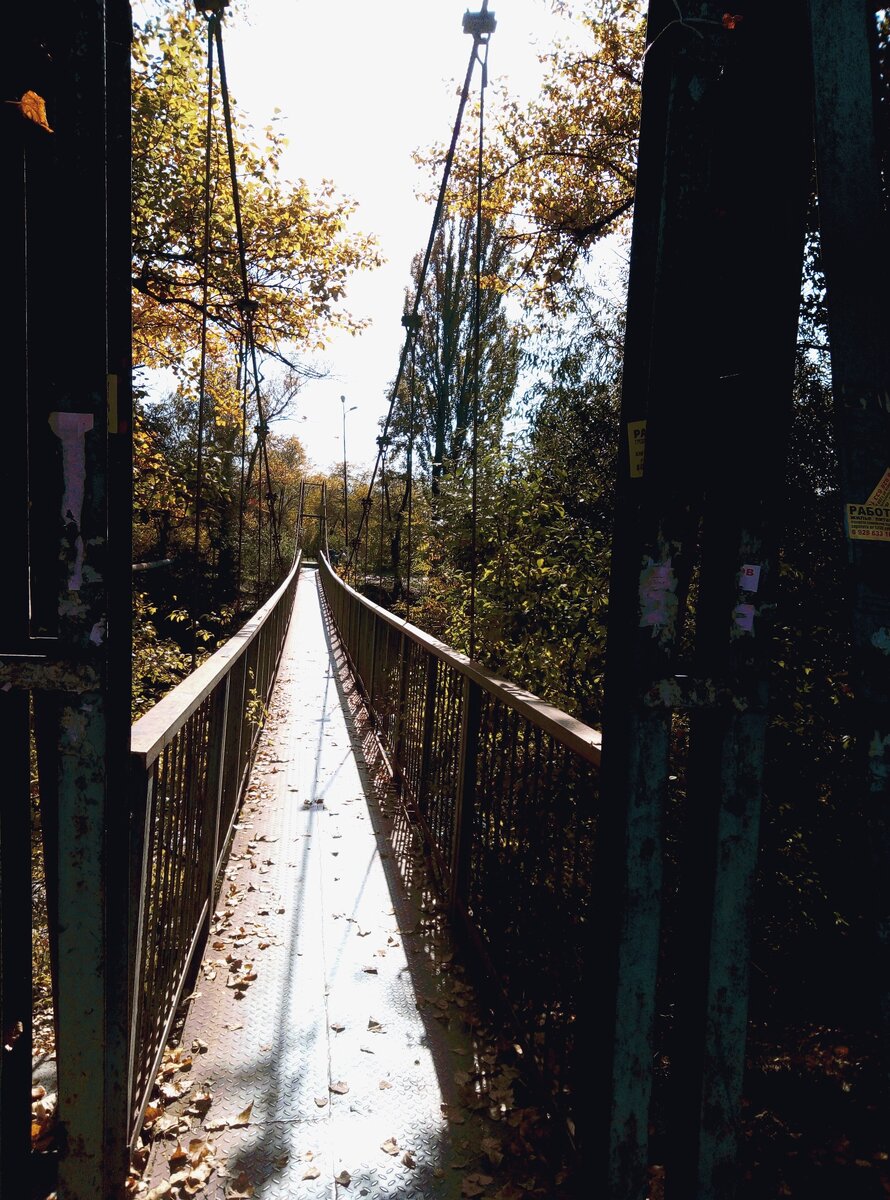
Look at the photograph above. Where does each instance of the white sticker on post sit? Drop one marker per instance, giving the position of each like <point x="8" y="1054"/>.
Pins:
<point x="749" y="577"/>
<point x="743" y="615"/>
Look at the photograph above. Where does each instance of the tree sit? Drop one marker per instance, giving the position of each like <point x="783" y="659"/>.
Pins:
<point x="560" y="170"/>
<point x="299" y="252"/>
<point x="443" y="370"/>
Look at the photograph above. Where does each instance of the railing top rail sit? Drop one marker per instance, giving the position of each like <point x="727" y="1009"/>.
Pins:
<point x="578" y="737"/>
<point x="157" y="728"/>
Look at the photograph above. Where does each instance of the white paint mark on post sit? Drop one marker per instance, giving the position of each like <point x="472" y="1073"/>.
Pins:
<point x="71" y="429"/>
<point x="658" y="594"/>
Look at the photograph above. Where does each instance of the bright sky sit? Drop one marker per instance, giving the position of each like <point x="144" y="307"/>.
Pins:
<point x="360" y="86"/>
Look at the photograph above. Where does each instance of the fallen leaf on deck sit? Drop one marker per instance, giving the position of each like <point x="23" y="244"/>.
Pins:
<point x="384" y="1084"/>
<point x="408" y="1159"/>
<point x="475" y="1184"/>
<point x="374" y="1026"/>
<point x="240" y="1188"/>
<point x="491" y="1148"/>
<point x="344" y="1179"/>
<point x="337" y="1027"/>
<point x="179" y="1155"/>
<point x="243" y="1117"/>
<point x="321" y="1101"/>
<point x="340" y="1087"/>
<point x="311" y="1173"/>
<point x="370" y="970"/>
<point x="391" y="1146"/>
<point x="164" y="1188"/>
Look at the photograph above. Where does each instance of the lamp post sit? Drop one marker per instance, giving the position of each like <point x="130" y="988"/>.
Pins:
<point x="345" y="482"/>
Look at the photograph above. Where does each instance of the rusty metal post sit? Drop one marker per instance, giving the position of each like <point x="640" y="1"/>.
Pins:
<point x="465" y="800"/>
<point x="854" y="229"/>
<point x="72" y="644"/>
<point x="21" y="59"/>
<point x="703" y="246"/>
<point x="426" y="740"/>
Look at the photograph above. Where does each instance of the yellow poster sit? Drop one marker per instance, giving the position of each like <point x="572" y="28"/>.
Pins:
<point x="636" y="444"/>
<point x="870" y="522"/>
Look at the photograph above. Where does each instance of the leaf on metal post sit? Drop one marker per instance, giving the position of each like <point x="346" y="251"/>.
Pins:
<point x="33" y="108"/>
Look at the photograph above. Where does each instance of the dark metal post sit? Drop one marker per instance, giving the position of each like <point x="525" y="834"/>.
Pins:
<point x="465" y="800"/>
<point x="854" y="230"/>
<point x="426" y="738"/>
<point x="78" y="639"/>
<point x="703" y="246"/>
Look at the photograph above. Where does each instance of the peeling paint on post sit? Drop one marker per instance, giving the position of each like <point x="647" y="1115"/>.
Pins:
<point x="856" y="262"/>
<point x="72" y="647"/>
<point x="703" y="245"/>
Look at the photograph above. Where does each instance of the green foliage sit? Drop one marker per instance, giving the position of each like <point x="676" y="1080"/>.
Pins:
<point x="560" y="169"/>
<point x="444" y="368"/>
<point x="300" y="253"/>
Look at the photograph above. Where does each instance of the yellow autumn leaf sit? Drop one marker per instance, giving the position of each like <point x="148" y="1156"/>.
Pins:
<point x="34" y="108"/>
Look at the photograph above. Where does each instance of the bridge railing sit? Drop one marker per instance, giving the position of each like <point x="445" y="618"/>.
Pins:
<point x="191" y="757"/>
<point x="504" y="788"/>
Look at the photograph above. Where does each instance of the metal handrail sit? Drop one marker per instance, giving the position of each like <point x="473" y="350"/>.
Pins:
<point x="191" y="756"/>
<point x="157" y="728"/>
<point x="581" y="738"/>
<point x="503" y="788"/>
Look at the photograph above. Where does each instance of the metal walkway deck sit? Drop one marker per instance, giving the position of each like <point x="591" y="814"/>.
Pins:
<point x="333" y="1043"/>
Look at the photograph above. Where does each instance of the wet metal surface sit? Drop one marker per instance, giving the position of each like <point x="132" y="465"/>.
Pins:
<point x="330" y="1031"/>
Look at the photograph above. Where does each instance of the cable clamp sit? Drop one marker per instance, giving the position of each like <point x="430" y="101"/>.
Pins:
<point x="481" y="24"/>
<point x="211" y="8"/>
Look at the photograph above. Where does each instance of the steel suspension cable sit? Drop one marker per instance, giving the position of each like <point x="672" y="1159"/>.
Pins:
<point x="409" y="481"/>
<point x="242" y="499"/>
<point x="202" y="372"/>
<point x="480" y="31"/>
<point x="477" y="326"/>
<point x="248" y="305"/>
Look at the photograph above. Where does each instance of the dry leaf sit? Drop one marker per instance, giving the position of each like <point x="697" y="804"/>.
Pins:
<point x="408" y="1159"/>
<point x="33" y="107"/>
<point x="179" y="1155"/>
<point x="240" y="1188"/>
<point x="470" y="1189"/>
<point x="340" y="1087"/>
<point x="370" y="970"/>
<point x="337" y="1027"/>
<point x="493" y="1152"/>
<point x="243" y="1117"/>
<point x="321" y="1101"/>
<point x="374" y="1026"/>
<point x="391" y="1146"/>
<point x="384" y="1084"/>
<point x="344" y="1179"/>
<point x="311" y="1173"/>
<point x="164" y="1188"/>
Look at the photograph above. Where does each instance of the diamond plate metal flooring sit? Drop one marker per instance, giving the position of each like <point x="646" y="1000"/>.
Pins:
<point x="334" y="1046"/>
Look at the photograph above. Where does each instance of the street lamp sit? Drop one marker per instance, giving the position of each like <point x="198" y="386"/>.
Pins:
<point x="345" y="484"/>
